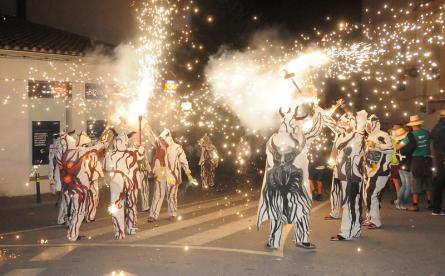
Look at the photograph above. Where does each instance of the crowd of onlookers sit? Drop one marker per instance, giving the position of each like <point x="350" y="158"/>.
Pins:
<point x="417" y="165"/>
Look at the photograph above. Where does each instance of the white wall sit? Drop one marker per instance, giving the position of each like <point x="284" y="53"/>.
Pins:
<point x="17" y="112"/>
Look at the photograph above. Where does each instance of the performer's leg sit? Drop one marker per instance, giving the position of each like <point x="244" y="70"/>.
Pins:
<point x="276" y="229"/>
<point x="301" y="228"/>
<point x="374" y="209"/>
<point x="145" y="193"/>
<point x="172" y="200"/>
<point x="368" y="190"/>
<point x="62" y="217"/>
<point x="336" y="198"/>
<point x="204" y="177"/>
<point x="92" y="201"/>
<point x="350" y="222"/>
<point x="158" y="197"/>
<point x="131" y="211"/>
<point x="212" y="175"/>
<point x="117" y="216"/>
<point x="77" y="207"/>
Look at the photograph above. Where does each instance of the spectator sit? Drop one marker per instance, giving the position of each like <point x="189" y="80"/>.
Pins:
<point x="395" y="177"/>
<point x="406" y="144"/>
<point x="317" y="173"/>
<point x="421" y="163"/>
<point x="438" y="137"/>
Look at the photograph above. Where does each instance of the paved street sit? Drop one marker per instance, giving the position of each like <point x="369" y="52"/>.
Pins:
<point x="216" y="236"/>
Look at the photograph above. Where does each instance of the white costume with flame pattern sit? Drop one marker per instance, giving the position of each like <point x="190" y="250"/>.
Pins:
<point x="170" y="159"/>
<point x="122" y="166"/>
<point x="75" y="183"/>
<point x="92" y="172"/>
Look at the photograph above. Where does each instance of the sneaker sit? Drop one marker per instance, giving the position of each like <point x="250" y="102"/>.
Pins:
<point x="396" y="203"/>
<point x="413" y="208"/>
<point x="438" y="213"/>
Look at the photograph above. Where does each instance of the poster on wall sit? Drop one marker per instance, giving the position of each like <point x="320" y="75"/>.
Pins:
<point x="42" y="136"/>
<point x="95" y="128"/>
<point x="49" y="89"/>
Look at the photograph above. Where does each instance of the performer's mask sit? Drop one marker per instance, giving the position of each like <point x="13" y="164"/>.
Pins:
<point x="284" y="148"/>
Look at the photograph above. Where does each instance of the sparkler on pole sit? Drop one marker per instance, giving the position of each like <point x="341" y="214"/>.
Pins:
<point x="140" y="129"/>
<point x="291" y="76"/>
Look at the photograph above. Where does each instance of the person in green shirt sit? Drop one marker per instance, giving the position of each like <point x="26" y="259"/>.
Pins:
<point x="421" y="163"/>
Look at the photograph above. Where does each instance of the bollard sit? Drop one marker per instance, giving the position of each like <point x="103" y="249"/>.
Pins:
<point x="38" y="198"/>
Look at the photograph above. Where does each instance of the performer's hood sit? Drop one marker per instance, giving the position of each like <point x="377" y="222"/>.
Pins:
<point x="67" y="141"/>
<point x="362" y="118"/>
<point x="372" y="124"/>
<point x="121" y="141"/>
<point x="83" y="140"/>
<point x="167" y="136"/>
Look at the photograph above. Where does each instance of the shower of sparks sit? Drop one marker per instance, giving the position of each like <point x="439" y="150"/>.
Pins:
<point x="394" y="48"/>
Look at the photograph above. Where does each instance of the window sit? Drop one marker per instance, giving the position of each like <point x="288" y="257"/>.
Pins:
<point x="49" y="89"/>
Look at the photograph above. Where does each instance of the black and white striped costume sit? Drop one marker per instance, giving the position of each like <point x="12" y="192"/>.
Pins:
<point x="351" y="149"/>
<point x="285" y="195"/>
<point x="377" y="164"/>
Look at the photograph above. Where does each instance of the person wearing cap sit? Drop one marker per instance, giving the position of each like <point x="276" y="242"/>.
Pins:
<point x="438" y="137"/>
<point x="421" y="163"/>
<point x="170" y="159"/>
<point x="406" y="144"/>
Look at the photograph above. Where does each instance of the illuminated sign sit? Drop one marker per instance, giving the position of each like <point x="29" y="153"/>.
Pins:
<point x="170" y="86"/>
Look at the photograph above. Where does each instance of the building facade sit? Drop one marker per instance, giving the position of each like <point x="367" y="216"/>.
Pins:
<point x="46" y="85"/>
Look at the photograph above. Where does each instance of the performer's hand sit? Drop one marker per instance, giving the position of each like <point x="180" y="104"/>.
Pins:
<point x="370" y="144"/>
<point x="192" y="181"/>
<point x="340" y="102"/>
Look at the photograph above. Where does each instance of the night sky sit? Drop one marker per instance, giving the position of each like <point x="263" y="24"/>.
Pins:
<point x="234" y="23"/>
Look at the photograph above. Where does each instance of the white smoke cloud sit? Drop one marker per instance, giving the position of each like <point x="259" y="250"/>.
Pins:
<point x="252" y="81"/>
